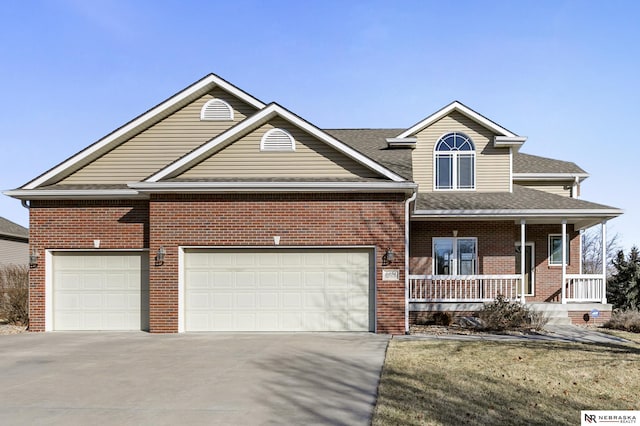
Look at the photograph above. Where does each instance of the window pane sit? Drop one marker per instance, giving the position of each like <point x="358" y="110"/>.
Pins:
<point x="444" y="172"/>
<point x="443" y="255"/>
<point x="465" y="171"/>
<point x="466" y="256"/>
<point x="555" y="257"/>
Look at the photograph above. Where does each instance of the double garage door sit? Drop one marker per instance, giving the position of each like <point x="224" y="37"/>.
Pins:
<point x="224" y="290"/>
<point x="278" y="290"/>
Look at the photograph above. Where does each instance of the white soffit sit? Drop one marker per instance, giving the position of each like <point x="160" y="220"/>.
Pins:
<point x="270" y="111"/>
<point x="137" y="124"/>
<point x="463" y="109"/>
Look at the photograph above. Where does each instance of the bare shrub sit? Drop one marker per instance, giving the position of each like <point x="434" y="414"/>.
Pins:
<point x="14" y="294"/>
<point x="504" y="315"/>
<point x="628" y="320"/>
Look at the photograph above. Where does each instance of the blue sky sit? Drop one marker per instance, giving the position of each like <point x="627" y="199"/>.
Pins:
<point x="563" y="73"/>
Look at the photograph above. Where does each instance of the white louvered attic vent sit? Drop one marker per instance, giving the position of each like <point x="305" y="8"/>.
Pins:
<point x="216" y="110"/>
<point x="277" y="140"/>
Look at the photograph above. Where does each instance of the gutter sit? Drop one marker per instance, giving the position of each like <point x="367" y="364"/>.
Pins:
<point x="234" y="187"/>
<point x="406" y="258"/>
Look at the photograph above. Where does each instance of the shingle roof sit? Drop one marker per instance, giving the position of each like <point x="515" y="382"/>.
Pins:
<point x="11" y="229"/>
<point x="373" y="144"/>
<point x="527" y="163"/>
<point x="522" y="198"/>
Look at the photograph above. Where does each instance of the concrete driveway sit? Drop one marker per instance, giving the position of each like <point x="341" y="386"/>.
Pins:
<point x="139" y="378"/>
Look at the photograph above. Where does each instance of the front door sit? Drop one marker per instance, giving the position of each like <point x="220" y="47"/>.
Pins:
<point x="529" y="267"/>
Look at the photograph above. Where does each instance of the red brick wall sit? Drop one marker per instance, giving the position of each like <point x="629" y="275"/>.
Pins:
<point x="548" y="278"/>
<point x="253" y="220"/>
<point x="221" y="220"/>
<point x="496" y="250"/>
<point x="74" y="225"/>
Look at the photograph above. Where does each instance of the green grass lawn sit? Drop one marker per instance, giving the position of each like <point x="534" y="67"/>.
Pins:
<point x="482" y="382"/>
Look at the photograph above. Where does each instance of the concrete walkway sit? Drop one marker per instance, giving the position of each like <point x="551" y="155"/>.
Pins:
<point x="553" y="333"/>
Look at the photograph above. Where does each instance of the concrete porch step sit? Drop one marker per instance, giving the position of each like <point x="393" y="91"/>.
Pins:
<point x="559" y="320"/>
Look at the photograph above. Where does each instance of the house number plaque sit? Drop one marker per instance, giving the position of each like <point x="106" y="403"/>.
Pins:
<point x="390" y="275"/>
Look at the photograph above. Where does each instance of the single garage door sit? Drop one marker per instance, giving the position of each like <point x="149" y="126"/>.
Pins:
<point x="279" y="290"/>
<point x="100" y="291"/>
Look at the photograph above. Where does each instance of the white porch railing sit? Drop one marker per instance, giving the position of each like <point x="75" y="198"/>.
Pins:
<point x="462" y="288"/>
<point x="584" y="288"/>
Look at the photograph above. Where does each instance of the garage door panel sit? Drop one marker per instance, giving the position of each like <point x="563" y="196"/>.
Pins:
<point x="314" y="300"/>
<point x="314" y="279"/>
<point x="100" y="291"/>
<point x="292" y="300"/>
<point x="278" y="290"/>
<point x="268" y="301"/>
<point x="246" y="280"/>
<point x="268" y="280"/>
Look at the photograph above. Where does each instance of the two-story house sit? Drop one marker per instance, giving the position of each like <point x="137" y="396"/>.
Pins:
<point x="214" y="211"/>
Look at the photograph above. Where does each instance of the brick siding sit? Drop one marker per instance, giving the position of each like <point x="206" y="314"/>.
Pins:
<point x="222" y="220"/>
<point x="70" y="224"/>
<point x="496" y="250"/>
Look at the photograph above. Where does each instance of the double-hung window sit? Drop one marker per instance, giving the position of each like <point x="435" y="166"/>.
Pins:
<point x="455" y="162"/>
<point x="555" y="249"/>
<point x="455" y="256"/>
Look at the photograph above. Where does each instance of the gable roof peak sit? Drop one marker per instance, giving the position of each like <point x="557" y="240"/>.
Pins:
<point x="144" y="120"/>
<point x="464" y="110"/>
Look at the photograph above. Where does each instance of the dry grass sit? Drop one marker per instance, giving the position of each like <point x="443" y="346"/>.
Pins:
<point x="526" y="383"/>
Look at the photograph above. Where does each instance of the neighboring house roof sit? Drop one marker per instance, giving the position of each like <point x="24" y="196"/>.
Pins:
<point x="373" y="143"/>
<point x="13" y="230"/>
<point x="527" y="163"/>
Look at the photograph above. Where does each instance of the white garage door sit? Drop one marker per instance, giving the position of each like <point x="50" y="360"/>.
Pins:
<point x="100" y="291"/>
<point x="278" y="290"/>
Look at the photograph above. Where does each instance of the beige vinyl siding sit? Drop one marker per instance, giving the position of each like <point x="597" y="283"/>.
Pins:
<point x="161" y="144"/>
<point x="492" y="164"/>
<point x="243" y="159"/>
<point x="558" y="188"/>
<point x="13" y="252"/>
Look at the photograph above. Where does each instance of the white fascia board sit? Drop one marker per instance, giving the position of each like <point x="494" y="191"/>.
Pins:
<point x="520" y="213"/>
<point x="269" y="112"/>
<point x="225" y="187"/>
<point x="207" y="83"/>
<point x="509" y="141"/>
<point x="549" y="176"/>
<point x="74" y="194"/>
<point x="463" y="109"/>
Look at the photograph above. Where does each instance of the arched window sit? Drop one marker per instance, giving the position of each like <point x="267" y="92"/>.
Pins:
<point x="277" y="140"/>
<point x="455" y="162"/>
<point x="216" y="110"/>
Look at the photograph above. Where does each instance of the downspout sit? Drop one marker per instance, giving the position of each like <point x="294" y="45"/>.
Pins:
<point x="406" y="259"/>
<point x="25" y="204"/>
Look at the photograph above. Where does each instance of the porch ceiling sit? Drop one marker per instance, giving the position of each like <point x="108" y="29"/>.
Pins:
<point x="523" y="203"/>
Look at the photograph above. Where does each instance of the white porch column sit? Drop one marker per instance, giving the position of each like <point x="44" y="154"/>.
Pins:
<point x="603" y="235"/>
<point x="564" y="261"/>
<point x="523" y="248"/>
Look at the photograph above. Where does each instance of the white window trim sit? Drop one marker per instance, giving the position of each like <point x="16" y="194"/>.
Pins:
<point x="454" y="260"/>
<point x="454" y="165"/>
<point x="216" y="100"/>
<point x="549" y="237"/>
<point x="533" y="264"/>
<point x="277" y="129"/>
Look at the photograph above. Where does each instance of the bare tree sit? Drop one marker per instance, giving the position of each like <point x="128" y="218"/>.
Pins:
<point x="592" y="251"/>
